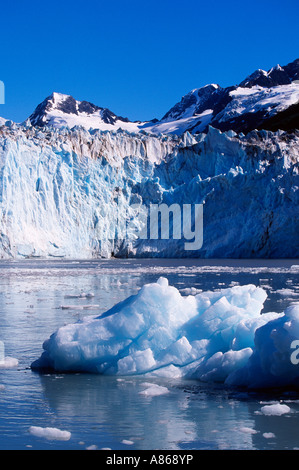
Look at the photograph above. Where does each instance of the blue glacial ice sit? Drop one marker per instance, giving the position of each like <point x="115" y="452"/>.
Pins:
<point x="219" y="336"/>
<point x="62" y="190"/>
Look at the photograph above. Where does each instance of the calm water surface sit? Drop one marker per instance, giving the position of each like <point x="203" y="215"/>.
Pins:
<point x="110" y="412"/>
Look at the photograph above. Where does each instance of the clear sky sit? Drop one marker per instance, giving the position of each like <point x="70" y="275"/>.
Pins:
<point x="137" y="58"/>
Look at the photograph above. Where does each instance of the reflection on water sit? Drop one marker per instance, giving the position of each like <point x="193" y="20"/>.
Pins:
<point x="190" y="416"/>
<point x="111" y="413"/>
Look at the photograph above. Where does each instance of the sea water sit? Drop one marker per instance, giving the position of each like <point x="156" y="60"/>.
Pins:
<point x="132" y="413"/>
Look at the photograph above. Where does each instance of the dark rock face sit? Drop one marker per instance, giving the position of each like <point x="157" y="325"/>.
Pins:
<point x="68" y="106"/>
<point x="287" y="120"/>
<point x="87" y="107"/>
<point x="38" y="117"/>
<point x="292" y="70"/>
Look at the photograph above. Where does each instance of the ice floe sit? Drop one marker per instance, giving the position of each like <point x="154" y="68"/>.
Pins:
<point x="220" y="336"/>
<point x="50" y="433"/>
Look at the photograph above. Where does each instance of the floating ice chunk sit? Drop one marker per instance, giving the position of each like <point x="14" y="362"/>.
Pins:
<point x="50" y="433"/>
<point x="153" y="390"/>
<point x="71" y="307"/>
<point x="276" y="409"/>
<point x="79" y="296"/>
<point x="212" y="336"/>
<point x="190" y="291"/>
<point x="247" y="430"/>
<point x="268" y="435"/>
<point x="8" y="362"/>
<point x="79" y="307"/>
<point x="287" y="292"/>
<point x="159" y="332"/>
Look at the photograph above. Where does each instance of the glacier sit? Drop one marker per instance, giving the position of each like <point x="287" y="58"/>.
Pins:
<point x="62" y="191"/>
<point x="219" y="336"/>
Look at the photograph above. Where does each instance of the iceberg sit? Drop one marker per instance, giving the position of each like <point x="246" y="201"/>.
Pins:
<point x="220" y="336"/>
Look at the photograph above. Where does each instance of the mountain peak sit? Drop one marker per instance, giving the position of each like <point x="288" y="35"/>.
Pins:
<point x="276" y="76"/>
<point x="59" y="109"/>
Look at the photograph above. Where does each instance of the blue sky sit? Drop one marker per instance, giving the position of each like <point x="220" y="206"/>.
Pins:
<point x="138" y="58"/>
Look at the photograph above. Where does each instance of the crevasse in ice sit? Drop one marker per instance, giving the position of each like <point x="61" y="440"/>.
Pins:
<point x="212" y="336"/>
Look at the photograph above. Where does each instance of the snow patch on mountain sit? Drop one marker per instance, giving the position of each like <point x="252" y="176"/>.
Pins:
<point x="198" y="123"/>
<point x="251" y="100"/>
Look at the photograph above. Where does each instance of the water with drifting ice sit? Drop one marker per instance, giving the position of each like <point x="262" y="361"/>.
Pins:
<point x="83" y="410"/>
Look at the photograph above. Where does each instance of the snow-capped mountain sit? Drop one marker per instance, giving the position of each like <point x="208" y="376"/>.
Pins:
<point x="59" y="110"/>
<point x="263" y="100"/>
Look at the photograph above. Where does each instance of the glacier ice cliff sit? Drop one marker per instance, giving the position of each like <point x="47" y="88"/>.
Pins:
<point x="216" y="336"/>
<point x="62" y="190"/>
